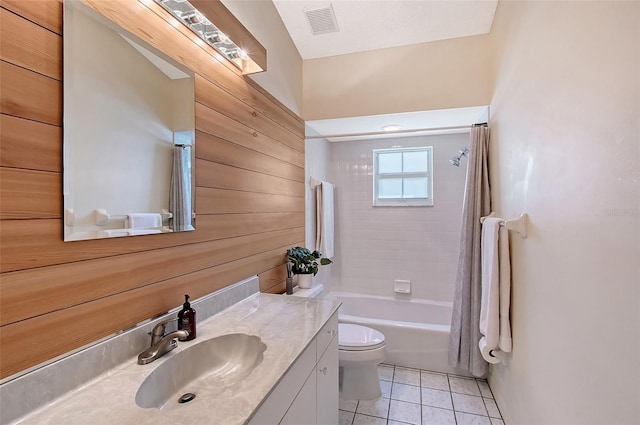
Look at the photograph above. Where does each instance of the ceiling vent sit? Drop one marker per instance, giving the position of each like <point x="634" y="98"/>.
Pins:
<point x="322" y="20"/>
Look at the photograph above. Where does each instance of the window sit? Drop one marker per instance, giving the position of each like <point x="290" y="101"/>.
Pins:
<point x="402" y="177"/>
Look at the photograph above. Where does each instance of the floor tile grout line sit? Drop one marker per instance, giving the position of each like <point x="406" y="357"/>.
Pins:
<point x="421" y="387"/>
<point x="497" y="408"/>
<point x="455" y="417"/>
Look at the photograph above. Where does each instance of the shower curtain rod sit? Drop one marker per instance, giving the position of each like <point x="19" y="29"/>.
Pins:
<point x="377" y="133"/>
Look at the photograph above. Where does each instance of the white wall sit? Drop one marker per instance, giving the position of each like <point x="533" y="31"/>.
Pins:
<point x="375" y="246"/>
<point x="283" y="78"/>
<point x="565" y="148"/>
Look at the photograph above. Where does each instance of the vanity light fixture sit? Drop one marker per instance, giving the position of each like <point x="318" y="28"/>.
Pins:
<point x="197" y="21"/>
<point x="391" y="127"/>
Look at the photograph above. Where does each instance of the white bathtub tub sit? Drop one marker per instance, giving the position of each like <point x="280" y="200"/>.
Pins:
<point x="416" y="332"/>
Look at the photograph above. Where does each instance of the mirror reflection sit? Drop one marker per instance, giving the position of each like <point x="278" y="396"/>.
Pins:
<point x="128" y="133"/>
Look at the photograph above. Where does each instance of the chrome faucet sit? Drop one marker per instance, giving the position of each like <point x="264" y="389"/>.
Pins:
<point x="161" y="343"/>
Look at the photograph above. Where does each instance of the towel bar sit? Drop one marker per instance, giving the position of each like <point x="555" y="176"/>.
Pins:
<point x="519" y="224"/>
<point x="314" y="183"/>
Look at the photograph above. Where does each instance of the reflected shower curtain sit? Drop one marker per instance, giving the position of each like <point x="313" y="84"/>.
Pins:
<point x="180" y="196"/>
<point x="465" y="333"/>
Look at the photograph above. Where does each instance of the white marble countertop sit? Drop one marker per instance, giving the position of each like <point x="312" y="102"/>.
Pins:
<point x="285" y="324"/>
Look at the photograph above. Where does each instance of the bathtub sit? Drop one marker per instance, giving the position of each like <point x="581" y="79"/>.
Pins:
<point x="416" y="331"/>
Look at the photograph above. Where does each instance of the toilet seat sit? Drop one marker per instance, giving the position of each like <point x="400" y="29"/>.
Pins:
<point x="358" y="338"/>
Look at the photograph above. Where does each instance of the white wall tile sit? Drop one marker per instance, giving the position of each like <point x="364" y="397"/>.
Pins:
<point x="375" y="246"/>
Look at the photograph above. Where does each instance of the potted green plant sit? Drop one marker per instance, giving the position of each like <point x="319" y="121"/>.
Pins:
<point x="305" y="263"/>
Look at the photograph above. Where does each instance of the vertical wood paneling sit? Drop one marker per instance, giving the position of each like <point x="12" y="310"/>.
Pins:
<point x="57" y="296"/>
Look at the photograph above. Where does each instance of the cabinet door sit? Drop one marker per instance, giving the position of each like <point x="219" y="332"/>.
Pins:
<point x="327" y="371"/>
<point x="302" y="410"/>
<point x="277" y="403"/>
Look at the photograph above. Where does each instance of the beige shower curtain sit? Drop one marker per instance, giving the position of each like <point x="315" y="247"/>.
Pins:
<point x="180" y="195"/>
<point x="465" y="333"/>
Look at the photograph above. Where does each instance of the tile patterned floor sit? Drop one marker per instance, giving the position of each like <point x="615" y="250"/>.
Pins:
<point x="421" y="397"/>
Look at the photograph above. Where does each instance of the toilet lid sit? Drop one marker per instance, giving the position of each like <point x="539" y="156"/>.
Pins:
<point x="358" y="338"/>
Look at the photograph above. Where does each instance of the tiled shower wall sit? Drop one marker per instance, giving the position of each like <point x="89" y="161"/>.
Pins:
<point x="375" y="246"/>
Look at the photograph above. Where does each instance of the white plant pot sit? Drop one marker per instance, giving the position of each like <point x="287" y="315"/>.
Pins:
<point x="305" y="280"/>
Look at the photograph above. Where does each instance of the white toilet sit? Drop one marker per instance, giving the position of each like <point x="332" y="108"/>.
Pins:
<point x="360" y="350"/>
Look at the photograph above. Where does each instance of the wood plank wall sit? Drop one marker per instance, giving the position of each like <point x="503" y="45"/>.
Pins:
<point x="56" y="296"/>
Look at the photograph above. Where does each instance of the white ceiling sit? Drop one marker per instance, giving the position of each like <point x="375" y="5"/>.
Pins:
<point x="411" y="123"/>
<point x="376" y="24"/>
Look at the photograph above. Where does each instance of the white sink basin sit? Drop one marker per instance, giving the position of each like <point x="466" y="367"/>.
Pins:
<point x="204" y="369"/>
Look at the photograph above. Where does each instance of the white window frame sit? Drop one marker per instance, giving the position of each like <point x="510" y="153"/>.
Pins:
<point x="403" y="202"/>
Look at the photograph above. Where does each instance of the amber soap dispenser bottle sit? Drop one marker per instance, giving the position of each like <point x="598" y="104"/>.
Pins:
<point x="187" y="319"/>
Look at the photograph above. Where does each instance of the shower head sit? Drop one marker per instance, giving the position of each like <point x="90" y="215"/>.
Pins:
<point x="455" y="161"/>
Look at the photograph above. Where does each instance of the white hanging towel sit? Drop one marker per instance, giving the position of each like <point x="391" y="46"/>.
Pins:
<point x="505" y="290"/>
<point x="496" y="291"/>
<point x="490" y="300"/>
<point x="324" y="219"/>
<point x="143" y="220"/>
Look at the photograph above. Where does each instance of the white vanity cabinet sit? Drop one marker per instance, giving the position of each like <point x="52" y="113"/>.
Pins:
<point x="327" y="385"/>
<point x="308" y="392"/>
